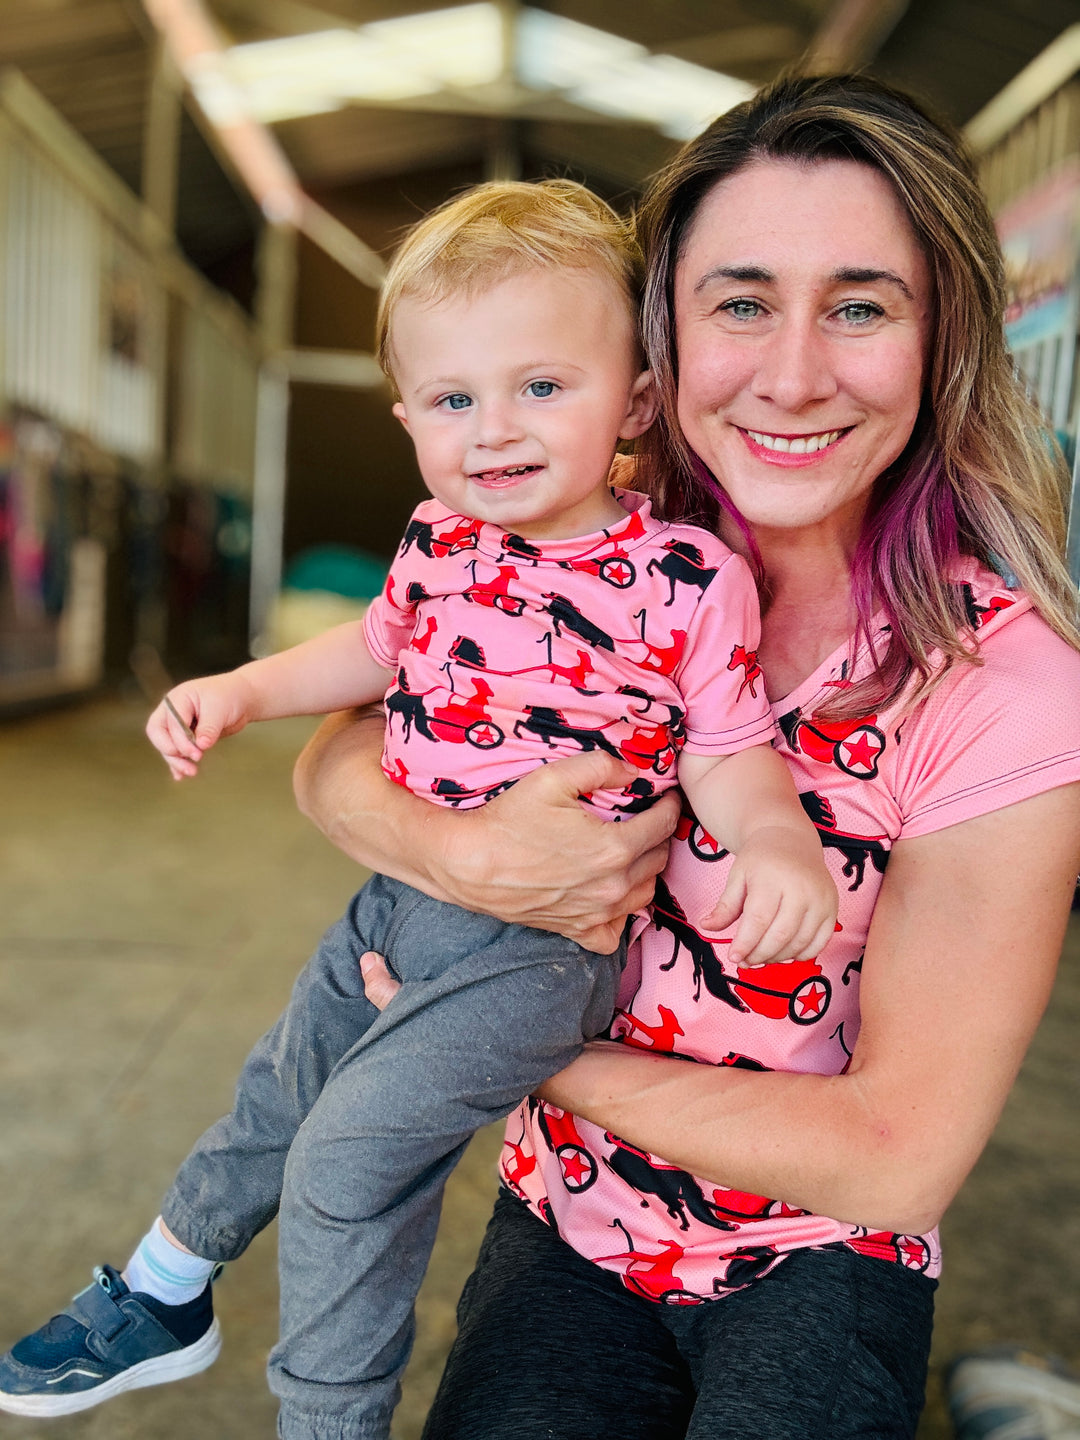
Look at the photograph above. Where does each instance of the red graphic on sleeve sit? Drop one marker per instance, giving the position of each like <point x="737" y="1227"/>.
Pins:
<point x="745" y="660"/>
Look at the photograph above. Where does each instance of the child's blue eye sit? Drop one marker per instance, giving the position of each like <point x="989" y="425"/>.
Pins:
<point x="456" y="402"/>
<point x="541" y="389"/>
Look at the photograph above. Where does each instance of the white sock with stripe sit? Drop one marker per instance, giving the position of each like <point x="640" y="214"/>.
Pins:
<point x="158" y="1268"/>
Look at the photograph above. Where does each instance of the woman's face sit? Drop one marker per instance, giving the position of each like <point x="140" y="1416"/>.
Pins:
<point x="802" y="316"/>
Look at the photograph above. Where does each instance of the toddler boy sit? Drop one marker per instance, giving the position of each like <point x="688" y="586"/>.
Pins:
<point x="531" y="613"/>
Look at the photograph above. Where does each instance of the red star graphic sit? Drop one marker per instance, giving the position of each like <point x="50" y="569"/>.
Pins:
<point x="483" y="735"/>
<point x="860" y="752"/>
<point x="707" y="842"/>
<point x="619" y="574"/>
<point x="810" y="1000"/>
<point x="575" y="1169"/>
<point x="913" y="1250"/>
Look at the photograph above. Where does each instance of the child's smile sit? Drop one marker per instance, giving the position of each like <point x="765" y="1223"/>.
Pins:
<point x="516" y="397"/>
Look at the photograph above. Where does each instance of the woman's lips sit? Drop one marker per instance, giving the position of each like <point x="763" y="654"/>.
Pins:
<point x="792" y="450"/>
<point x="503" y="478"/>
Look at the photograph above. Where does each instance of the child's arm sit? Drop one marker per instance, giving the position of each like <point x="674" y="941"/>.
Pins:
<point x="333" y="671"/>
<point x="778" y="887"/>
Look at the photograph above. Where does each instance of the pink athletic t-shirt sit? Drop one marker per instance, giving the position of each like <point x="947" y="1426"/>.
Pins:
<point x="638" y="640"/>
<point x="988" y="737"/>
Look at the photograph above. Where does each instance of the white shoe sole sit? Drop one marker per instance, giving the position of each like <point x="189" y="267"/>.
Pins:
<point x="1051" y="1402"/>
<point x="158" y="1371"/>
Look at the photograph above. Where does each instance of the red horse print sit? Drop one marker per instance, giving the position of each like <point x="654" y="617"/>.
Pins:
<point x="652" y="1274"/>
<point x="745" y="660"/>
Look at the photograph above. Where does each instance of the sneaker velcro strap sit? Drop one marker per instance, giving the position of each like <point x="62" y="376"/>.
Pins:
<point x="95" y="1308"/>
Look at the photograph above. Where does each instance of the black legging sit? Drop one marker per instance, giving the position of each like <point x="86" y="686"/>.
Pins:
<point x="831" y="1345"/>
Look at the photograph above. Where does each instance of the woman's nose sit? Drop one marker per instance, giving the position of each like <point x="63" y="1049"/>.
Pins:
<point x="794" y="367"/>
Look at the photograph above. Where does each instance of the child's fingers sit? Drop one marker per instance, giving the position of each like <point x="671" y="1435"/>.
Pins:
<point x="812" y="946"/>
<point x="380" y="987"/>
<point x="755" y="943"/>
<point x="167" y="733"/>
<point x="729" y="907"/>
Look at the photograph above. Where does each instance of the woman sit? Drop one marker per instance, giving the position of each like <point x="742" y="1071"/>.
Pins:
<point x="824" y="319"/>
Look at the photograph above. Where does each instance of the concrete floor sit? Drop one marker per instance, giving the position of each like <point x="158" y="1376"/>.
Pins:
<point x="150" y="931"/>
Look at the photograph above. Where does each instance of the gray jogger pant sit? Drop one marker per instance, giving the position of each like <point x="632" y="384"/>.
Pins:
<point x="349" y="1121"/>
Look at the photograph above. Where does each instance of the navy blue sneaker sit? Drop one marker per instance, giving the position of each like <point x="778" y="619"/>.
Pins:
<point x="108" y="1340"/>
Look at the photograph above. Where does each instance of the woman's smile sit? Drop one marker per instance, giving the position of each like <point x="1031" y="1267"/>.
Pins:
<point x="792" y="450"/>
<point x="802" y="309"/>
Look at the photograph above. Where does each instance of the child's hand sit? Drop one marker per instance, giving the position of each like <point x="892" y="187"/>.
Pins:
<point x="193" y="717"/>
<point x="782" y="895"/>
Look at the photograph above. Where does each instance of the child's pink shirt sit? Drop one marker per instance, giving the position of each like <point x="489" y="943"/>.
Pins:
<point x="637" y="640"/>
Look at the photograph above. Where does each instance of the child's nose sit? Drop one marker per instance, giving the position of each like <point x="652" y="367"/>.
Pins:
<point x="498" y="424"/>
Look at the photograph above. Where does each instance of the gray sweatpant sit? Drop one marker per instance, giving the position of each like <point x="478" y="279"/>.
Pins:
<point x="348" y="1121"/>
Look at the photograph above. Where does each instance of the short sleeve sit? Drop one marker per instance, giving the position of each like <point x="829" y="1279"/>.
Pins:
<point x="998" y="733"/>
<point x="722" y="687"/>
<point x="390" y="619"/>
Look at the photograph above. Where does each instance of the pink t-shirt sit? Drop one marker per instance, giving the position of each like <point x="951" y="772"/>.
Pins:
<point x="638" y="640"/>
<point x="990" y="736"/>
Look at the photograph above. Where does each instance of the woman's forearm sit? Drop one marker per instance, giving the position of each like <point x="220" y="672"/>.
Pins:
<point x="958" y="966"/>
<point x="802" y="1139"/>
<point x="532" y="856"/>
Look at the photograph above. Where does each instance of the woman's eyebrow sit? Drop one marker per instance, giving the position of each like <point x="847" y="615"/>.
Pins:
<point x="754" y="273"/>
<point x="857" y="275"/>
<point x="846" y="275"/>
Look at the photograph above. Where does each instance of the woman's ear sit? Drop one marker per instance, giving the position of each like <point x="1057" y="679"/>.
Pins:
<point x="641" y="411"/>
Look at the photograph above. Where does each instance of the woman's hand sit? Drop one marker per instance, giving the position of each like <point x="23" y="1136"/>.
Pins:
<point x="540" y="859"/>
<point x="533" y="856"/>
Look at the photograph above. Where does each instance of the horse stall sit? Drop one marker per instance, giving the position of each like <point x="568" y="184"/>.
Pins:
<point x="127" y="420"/>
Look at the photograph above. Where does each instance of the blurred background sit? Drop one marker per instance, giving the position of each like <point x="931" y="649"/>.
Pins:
<point x="198" y="463"/>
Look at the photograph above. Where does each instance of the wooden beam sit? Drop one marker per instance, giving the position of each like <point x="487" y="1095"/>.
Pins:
<point x="253" y="152"/>
<point x="161" y="137"/>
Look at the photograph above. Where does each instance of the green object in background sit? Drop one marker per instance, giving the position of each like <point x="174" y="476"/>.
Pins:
<point x="340" y="569"/>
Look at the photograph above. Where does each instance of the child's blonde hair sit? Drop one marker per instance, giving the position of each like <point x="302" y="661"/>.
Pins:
<point x="499" y="229"/>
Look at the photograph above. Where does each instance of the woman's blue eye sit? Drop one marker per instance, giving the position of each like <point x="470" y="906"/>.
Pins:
<point x="456" y="402"/>
<point x="860" y="312"/>
<point x="742" y="309"/>
<point x="541" y="389"/>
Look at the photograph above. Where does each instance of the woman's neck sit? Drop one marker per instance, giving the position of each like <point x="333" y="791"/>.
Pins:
<point x="807" y="609"/>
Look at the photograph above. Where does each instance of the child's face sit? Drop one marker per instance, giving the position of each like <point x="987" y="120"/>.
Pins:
<point x="515" y="398"/>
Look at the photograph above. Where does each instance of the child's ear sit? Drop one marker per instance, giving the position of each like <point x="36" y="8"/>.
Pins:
<point x="641" y="411"/>
<point x="398" y="411"/>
